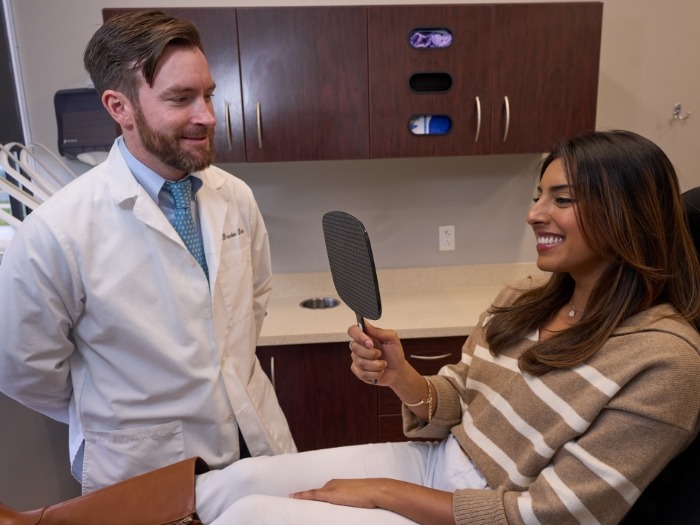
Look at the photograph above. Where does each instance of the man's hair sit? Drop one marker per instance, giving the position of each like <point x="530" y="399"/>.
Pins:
<point x="132" y="44"/>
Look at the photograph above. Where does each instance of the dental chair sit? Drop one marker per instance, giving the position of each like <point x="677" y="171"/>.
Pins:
<point x="45" y="163"/>
<point x="30" y="174"/>
<point x="35" y="163"/>
<point x="29" y="179"/>
<point x="22" y="175"/>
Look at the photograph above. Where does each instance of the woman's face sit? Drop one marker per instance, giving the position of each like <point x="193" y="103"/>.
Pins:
<point x="560" y="244"/>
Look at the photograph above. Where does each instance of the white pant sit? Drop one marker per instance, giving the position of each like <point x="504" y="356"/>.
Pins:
<point x="254" y="490"/>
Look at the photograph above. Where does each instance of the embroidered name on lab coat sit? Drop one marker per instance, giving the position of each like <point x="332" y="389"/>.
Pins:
<point x="232" y="234"/>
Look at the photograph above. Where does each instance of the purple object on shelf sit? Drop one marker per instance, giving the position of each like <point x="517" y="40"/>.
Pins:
<point x="430" y="38"/>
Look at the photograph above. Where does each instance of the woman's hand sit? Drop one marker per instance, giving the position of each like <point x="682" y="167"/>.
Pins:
<point x="348" y="492"/>
<point x="376" y="355"/>
<point x="420" y="504"/>
<point x="378" y="358"/>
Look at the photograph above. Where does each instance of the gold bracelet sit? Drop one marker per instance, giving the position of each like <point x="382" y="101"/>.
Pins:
<point x="427" y="401"/>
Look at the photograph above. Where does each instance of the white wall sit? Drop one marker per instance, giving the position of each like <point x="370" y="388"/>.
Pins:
<point x="648" y="64"/>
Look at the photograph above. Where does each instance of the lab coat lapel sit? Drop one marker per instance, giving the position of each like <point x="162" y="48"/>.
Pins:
<point x="148" y="212"/>
<point x="212" y="206"/>
<point x="124" y="188"/>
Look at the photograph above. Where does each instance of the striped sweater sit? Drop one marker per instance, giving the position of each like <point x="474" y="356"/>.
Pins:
<point x="576" y="445"/>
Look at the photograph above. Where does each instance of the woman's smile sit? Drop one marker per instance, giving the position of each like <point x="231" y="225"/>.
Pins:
<point x="548" y="241"/>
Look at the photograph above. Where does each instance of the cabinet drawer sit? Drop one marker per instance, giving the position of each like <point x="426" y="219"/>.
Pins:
<point x="427" y="356"/>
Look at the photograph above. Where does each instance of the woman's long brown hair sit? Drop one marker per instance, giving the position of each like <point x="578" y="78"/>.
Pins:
<point x="630" y="211"/>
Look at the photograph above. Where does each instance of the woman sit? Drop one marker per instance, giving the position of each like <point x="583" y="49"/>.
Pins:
<point x="573" y="392"/>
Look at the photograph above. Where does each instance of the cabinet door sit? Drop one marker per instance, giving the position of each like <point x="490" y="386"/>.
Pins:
<point x="304" y="79"/>
<point x="217" y="29"/>
<point x="546" y="59"/>
<point x="325" y="404"/>
<point x="401" y="77"/>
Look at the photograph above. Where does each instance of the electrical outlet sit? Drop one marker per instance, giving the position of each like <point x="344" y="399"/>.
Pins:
<point x="446" y="238"/>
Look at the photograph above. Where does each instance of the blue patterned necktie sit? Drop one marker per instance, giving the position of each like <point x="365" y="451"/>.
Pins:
<point x="182" y="220"/>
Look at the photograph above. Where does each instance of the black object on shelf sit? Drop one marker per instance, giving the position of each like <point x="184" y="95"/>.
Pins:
<point x="83" y="123"/>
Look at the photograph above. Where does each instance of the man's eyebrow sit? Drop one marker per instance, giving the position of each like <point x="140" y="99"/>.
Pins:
<point x="178" y="89"/>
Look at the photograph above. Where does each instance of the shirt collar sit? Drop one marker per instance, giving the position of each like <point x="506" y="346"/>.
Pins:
<point x="146" y="177"/>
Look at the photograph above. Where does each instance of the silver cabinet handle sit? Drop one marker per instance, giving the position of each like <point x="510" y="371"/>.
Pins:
<point x="259" y="115"/>
<point x="272" y="374"/>
<point x="227" y="121"/>
<point x="429" y="357"/>
<point x="507" y="103"/>
<point x="478" y="119"/>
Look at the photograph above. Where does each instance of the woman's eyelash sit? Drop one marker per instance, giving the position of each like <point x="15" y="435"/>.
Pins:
<point x="559" y="200"/>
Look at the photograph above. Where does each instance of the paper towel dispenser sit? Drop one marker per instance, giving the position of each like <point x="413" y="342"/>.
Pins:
<point x="83" y="123"/>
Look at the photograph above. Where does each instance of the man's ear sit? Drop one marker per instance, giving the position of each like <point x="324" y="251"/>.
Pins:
<point x="119" y="107"/>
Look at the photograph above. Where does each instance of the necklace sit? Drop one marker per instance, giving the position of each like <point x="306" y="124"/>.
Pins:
<point x="573" y="311"/>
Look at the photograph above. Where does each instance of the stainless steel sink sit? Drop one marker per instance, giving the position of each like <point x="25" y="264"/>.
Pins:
<point x="319" y="303"/>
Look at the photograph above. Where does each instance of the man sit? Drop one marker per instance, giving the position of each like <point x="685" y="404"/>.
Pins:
<point x="140" y="337"/>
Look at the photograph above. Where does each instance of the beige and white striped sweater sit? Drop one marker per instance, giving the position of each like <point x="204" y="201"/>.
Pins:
<point x="572" y="446"/>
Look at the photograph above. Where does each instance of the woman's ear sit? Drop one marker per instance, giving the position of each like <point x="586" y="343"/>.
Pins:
<point x="119" y="107"/>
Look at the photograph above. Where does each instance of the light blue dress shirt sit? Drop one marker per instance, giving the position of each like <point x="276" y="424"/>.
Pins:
<point x="153" y="184"/>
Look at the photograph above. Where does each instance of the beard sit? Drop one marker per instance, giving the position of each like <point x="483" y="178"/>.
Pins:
<point x="166" y="148"/>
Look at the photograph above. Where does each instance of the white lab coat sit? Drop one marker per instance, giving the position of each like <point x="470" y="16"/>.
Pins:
<point x="109" y="324"/>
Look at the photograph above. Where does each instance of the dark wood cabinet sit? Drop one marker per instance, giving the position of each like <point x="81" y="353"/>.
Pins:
<point x="546" y="61"/>
<point x="521" y="76"/>
<point x="217" y="29"/>
<point x="327" y="406"/>
<point x="343" y="82"/>
<point x="304" y="81"/>
<point x="393" y="64"/>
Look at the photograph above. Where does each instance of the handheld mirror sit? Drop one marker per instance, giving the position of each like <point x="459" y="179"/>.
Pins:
<point x="352" y="265"/>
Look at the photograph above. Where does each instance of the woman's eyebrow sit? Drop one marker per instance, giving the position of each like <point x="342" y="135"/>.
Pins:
<point x="558" y="187"/>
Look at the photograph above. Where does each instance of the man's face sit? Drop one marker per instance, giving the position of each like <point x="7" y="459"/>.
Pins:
<point x="174" y="118"/>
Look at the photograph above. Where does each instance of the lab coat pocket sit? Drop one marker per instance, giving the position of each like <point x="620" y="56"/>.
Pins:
<point x="111" y="456"/>
<point x="236" y="281"/>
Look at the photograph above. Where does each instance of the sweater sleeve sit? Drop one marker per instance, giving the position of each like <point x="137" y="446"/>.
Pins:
<point x="447" y="413"/>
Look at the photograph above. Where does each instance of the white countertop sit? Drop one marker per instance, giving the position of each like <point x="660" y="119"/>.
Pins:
<point x="416" y="302"/>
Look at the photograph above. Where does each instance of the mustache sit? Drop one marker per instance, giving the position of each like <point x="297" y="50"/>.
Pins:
<point x="199" y="131"/>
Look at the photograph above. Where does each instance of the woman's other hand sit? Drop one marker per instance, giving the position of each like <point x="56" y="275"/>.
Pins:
<point x="348" y="492"/>
<point x="420" y="504"/>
